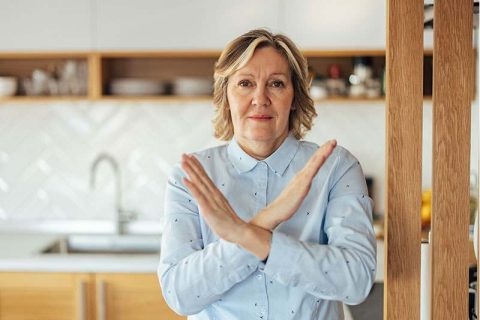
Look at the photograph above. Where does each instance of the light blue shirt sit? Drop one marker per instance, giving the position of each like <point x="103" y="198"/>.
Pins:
<point x="324" y="255"/>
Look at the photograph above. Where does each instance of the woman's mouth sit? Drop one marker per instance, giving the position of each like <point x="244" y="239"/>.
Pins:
<point x="260" y="117"/>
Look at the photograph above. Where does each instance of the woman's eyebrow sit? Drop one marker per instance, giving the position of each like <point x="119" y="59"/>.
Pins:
<point x="244" y="75"/>
<point x="279" y="74"/>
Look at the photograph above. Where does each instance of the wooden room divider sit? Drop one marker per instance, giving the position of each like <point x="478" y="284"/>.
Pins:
<point x="452" y="96"/>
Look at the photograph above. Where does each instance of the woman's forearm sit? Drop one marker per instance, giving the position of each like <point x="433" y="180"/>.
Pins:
<point x="205" y="275"/>
<point x="265" y="220"/>
<point x="254" y="239"/>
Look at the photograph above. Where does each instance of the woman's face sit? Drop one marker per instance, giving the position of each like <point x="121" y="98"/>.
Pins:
<point x="260" y="97"/>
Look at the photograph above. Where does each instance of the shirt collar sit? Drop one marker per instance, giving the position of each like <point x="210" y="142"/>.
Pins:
<point x="277" y="161"/>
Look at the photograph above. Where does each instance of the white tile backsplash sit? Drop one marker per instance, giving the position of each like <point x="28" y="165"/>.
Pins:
<point x="46" y="152"/>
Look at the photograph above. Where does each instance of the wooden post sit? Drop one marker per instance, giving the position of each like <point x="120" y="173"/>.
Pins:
<point x="452" y="74"/>
<point x="404" y="74"/>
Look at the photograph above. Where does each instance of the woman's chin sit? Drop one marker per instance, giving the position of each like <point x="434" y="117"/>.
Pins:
<point x="262" y="137"/>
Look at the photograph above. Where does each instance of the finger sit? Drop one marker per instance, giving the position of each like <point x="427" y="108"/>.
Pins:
<point x="209" y="211"/>
<point x="319" y="158"/>
<point x="193" y="175"/>
<point x="208" y="187"/>
<point x="322" y="154"/>
<point x="200" y="171"/>
<point x="200" y="197"/>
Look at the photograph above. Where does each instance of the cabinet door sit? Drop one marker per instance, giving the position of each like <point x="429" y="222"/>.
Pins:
<point x="131" y="297"/>
<point x="43" y="296"/>
<point x="326" y="24"/>
<point x="45" y="25"/>
<point x="179" y="24"/>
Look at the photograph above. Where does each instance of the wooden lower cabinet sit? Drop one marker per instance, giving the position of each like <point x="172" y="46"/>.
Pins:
<point x="41" y="296"/>
<point x="130" y="297"/>
<point x="81" y="296"/>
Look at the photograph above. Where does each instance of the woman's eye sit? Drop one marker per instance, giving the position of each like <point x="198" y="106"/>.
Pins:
<point x="244" y="83"/>
<point x="278" y="84"/>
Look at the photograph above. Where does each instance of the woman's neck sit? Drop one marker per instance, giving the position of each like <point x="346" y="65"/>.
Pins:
<point x="258" y="149"/>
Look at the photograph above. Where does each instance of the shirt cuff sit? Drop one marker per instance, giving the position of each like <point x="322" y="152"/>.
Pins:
<point x="238" y="258"/>
<point x="283" y="248"/>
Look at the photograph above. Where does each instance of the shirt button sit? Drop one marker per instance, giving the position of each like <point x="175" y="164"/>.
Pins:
<point x="259" y="276"/>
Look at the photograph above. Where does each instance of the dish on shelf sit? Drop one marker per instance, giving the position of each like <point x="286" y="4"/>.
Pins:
<point x="8" y="86"/>
<point x="192" y="86"/>
<point x="136" y="87"/>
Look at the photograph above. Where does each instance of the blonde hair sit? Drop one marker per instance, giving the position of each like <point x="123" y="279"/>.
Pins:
<point x="237" y="54"/>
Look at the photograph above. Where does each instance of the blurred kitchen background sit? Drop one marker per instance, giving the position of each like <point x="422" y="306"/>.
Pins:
<point x="49" y="141"/>
<point x="98" y="100"/>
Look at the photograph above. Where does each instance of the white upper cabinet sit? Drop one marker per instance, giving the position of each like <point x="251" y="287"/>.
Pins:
<point x="63" y="25"/>
<point x="178" y="24"/>
<point x="47" y="25"/>
<point x="341" y="24"/>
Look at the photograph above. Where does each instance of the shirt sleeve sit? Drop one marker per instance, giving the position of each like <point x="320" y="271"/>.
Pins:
<point x="193" y="276"/>
<point x="344" y="268"/>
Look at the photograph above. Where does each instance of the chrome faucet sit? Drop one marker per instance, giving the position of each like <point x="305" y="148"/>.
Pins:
<point x="121" y="216"/>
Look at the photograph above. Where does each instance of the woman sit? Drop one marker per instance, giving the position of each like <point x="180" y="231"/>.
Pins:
<point x="266" y="226"/>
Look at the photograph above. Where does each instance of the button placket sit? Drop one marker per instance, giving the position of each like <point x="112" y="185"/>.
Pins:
<point x="261" y="300"/>
<point x="262" y="278"/>
<point x="263" y="183"/>
<point x="260" y="198"/>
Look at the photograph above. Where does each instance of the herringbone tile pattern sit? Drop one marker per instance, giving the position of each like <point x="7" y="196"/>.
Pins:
<point x="46" y="152"/>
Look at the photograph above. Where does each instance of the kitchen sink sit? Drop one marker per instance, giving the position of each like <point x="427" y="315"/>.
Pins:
<point x="105" y="244"/>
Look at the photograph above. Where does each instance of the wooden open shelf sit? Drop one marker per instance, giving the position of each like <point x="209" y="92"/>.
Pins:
<point x="166" y="66"/>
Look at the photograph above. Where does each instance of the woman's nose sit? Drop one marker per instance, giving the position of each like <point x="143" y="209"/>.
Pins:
<point x="260" y="97"/>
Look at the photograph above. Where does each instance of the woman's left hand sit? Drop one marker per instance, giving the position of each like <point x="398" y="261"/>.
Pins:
<point x="215" y="208"/>
<point x="287" y="203"/>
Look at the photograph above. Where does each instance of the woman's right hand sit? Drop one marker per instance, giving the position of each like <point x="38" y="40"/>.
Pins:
<point x="288" y="202"/>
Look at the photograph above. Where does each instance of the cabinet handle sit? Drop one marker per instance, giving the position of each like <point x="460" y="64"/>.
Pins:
<point x="82" y="303"/>
<point x="101" y="300"/>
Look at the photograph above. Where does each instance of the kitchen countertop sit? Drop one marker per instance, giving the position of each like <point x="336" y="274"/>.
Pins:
<point x="77" y="226"/>
<point x="22" y="253"/>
